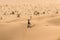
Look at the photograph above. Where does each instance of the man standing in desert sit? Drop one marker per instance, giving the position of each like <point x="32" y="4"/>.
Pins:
<point x="28" y="26"/>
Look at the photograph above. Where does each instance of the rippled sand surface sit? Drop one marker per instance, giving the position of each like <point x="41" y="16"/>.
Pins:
<point x="45" y="26"/>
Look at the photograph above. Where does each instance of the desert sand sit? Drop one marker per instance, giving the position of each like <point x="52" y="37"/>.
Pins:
<point x="44" y="17"/>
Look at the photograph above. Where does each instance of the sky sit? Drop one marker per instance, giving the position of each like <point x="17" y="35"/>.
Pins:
<point x="29" y="1"/>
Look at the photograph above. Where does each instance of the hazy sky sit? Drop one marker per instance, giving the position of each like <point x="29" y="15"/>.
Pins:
<point x="29" y="1"/>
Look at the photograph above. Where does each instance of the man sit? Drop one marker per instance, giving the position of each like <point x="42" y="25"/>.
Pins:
<point x="29" y="24"/>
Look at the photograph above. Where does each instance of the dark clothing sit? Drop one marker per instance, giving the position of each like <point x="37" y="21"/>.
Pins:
<point x="28" y="23"/>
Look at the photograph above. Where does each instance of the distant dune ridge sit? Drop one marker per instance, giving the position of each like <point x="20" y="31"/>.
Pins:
<point x="10" y="11"/>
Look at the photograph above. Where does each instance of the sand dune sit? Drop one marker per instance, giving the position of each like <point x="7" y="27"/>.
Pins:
<point x="45" y="23"/>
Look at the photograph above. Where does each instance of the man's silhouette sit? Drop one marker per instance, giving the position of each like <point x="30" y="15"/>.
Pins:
<point x="29" y="24"/>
